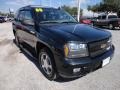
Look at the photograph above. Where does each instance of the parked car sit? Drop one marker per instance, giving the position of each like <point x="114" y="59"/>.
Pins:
<point x="10" y="19"/>
<point x="61" y="45"/>
<point x="5" y="18"/>
<point x="109" y="20"/>
<point x="86" y="21"/>
<point x="2" y="19"/>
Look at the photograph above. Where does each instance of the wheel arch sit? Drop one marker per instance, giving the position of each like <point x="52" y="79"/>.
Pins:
<point x="40" y="45"/>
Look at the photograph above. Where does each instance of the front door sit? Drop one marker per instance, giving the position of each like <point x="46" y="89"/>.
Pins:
<point x="29" y="31"/>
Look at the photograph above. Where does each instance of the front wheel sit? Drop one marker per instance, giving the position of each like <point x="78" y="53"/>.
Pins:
<point x="47" y="64"/>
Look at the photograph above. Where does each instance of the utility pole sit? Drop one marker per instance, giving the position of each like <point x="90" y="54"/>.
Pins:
<point x="78" y="16"/>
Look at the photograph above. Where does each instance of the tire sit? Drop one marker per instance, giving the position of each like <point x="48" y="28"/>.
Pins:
<point x="47" y="64"/>
<point x="111" y="27"/>
<point x="17" y="40"/>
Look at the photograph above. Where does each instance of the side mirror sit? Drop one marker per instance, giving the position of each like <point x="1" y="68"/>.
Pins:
<point x="28" y="22"/>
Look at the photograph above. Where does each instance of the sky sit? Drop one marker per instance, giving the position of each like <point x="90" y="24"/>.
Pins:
<point x="15" y="4"/>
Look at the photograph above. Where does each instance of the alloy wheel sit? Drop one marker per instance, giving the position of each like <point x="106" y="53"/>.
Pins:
<point x="46" y="63"/>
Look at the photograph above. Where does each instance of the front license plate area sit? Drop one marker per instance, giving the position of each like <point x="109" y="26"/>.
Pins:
<point x="106" y="61"/>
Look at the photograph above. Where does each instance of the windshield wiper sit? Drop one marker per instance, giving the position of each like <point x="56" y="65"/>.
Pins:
<point x="44" y="22"/>
<point x="68" y="22"/>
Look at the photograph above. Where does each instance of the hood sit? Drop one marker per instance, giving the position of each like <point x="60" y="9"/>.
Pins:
<point x="77" y="32"/>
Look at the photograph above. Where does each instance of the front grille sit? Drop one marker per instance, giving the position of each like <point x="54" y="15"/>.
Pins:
<point x="98" y="47"/>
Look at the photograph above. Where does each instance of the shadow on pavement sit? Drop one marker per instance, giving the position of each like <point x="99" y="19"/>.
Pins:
<point x="62" y="80"/>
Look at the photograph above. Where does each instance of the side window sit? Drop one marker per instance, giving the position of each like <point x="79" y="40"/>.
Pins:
<point x="104" y="17"/>
<point x="20" y="16"/>
<point x="16" y="15"/>
<point x="28" y="15"/>
<point x="99" y="17"/>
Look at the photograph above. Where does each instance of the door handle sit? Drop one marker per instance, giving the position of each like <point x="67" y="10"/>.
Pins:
<point x="32" y="32"/>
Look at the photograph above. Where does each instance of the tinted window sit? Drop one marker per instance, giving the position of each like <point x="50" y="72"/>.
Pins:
<point x="28" y="15"/>
<point x="104" y="17"/>
<point x="16" y="15"/>
<point x="1" y="18"/>
<point x="21" y="15"/>
<point x="112" y="16"/>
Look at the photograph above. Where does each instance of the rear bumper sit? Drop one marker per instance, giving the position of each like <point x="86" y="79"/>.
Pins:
<point x="65" y="66"/>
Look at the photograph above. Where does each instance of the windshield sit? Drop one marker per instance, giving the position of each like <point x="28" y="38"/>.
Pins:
<point x="54" y="16"/>
<point x="112" y="16"/>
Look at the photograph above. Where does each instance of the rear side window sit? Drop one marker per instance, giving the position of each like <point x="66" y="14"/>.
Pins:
<point x="1" y="17"/>
<point x="112" y="16"/>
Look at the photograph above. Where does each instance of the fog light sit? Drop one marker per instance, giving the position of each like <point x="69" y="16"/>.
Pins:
<point x="76" y="70"/>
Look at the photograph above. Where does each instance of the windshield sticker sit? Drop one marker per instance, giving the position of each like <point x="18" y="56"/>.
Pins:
<point x="39" y="10"/>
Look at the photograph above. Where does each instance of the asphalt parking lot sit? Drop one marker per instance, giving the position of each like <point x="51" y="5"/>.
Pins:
<point x="19" y="72"/>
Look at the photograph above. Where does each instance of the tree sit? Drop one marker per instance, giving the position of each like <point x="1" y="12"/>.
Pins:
<point x="106" y="6"/>
<point x="6" y="14"/>
<point x="72" y="10"/>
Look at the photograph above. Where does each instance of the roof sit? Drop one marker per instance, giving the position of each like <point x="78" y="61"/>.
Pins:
<point x="34" y="6"/>
<point x="102" y="14"/>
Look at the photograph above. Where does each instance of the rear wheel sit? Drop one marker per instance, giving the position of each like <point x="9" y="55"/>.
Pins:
<point x="16" y="39"/>
<point x="111" y="26"/>
<point x="47" y="65"/>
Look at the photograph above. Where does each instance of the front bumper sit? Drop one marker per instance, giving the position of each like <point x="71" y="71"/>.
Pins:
<point x="65" y="66"/>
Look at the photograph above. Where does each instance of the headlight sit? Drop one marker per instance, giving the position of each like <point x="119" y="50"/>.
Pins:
<point x="109" y="43"/>
<point x="110" y="40"/>
<point x="75" y="50"/>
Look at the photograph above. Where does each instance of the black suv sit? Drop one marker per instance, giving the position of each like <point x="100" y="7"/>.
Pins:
<point x="62" y="46"/>
<point x="2" y="19"/>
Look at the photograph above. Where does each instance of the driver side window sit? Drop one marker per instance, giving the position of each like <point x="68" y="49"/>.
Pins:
<point x="28" y="15"/>
<point x="28" y="20"/>
<point x="99" y="17"/>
